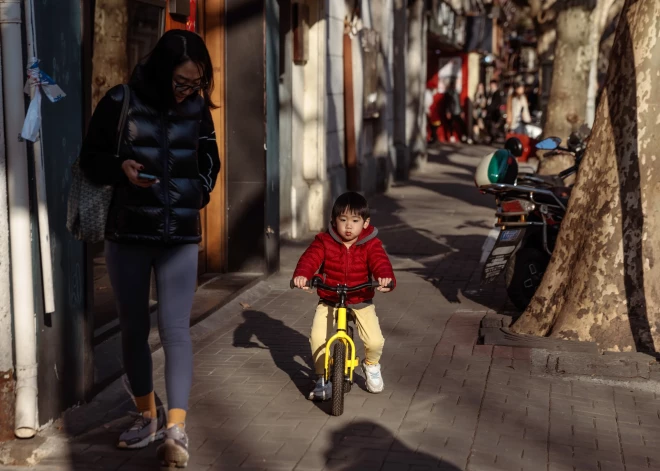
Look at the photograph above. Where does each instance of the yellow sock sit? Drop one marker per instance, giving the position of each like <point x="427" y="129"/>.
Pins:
<point x="147" y="404"/>
<point x="176" y="417"/>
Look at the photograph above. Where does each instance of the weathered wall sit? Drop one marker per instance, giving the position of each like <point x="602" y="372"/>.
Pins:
<point x="60" y="336"/>
<point x="336" y="11"/>
<point x="416" y="84"/>
<point x="246" y="135"/>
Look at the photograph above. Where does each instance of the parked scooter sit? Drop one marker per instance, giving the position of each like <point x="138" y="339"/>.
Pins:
<point x="530" y="209"/>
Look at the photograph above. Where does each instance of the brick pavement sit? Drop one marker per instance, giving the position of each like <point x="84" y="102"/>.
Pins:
<point x="449" y="404"/>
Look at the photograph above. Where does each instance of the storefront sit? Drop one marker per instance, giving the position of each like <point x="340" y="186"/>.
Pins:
<point x="447" y="64"/>
<point x="79" y="348"/>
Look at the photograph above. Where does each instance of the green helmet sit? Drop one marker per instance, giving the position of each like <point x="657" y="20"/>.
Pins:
<point x="498" y="167"/>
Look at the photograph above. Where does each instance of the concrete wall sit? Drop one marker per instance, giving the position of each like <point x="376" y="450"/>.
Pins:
<point x="312" y="115"/>
<point x="303" y="180"/>
<point x="375" y="141"/>
<point x="416" y="84"/>
<point x="336" y="11"/>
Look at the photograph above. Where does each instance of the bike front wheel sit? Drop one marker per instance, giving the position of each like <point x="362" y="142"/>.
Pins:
<point x="338" y="386"/>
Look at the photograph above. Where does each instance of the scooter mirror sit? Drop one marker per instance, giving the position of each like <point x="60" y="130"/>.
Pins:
<point x="549" y="143"/>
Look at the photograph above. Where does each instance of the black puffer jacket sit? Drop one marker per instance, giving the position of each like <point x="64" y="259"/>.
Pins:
<point x="177" y="146"/>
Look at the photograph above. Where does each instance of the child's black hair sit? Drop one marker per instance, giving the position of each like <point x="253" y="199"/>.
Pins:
<point x="352" y="203"/>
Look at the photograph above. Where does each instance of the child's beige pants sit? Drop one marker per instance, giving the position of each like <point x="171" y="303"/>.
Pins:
<point x="323" y="327"/>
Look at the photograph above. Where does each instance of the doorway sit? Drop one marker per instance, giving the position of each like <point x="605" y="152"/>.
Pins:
<point x="147" y="21"/>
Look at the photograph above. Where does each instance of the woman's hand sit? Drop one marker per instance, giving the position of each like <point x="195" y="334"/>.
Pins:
<point x="131" y="168"/>
<point x="383" y="288"/>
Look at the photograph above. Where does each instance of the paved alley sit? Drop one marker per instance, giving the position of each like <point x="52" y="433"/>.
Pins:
<point x="448" y="403"/>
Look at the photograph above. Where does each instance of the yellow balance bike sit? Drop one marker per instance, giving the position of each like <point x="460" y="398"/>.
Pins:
<point x="340" y="365"/>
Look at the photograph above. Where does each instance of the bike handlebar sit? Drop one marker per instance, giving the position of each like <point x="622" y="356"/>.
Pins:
<point x="316" y="283"/>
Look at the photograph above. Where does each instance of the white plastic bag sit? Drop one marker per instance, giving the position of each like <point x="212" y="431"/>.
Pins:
<point x="32" y="123"/>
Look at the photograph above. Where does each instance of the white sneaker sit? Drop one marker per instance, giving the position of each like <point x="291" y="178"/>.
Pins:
<point x="374" y="379"/>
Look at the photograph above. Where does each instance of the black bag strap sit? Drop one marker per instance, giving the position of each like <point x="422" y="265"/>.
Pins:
<point x="122" y="117"/>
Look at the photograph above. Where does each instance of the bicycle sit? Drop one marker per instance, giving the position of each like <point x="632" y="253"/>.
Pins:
<point x="340" y="366"/>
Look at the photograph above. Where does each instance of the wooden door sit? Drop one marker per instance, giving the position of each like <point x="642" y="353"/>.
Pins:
<point x="212" y="27"/>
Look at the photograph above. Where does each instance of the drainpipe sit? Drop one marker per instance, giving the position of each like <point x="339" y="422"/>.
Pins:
<point x="19" y="221"/>
<point x="6" y="355"/>
<point x="40" y="177"/>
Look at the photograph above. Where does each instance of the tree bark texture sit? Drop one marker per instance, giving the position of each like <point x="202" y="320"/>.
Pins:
<point x="598" y="23"/>
<point x="570" y="76"/>
<point x="110" y="61"/>
<point x="602" y="282"/>
<point x="555" y="162"/>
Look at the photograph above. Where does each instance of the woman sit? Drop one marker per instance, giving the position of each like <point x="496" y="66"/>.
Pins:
<point x="518" y="114"/>
<point x="166" y="170"/>
<point x="479" y="112"/>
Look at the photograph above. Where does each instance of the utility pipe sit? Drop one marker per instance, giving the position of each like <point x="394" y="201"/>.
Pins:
<point x="6" y="350"/>
<point x="25" y="425"/>
<point x="40" y="177"/>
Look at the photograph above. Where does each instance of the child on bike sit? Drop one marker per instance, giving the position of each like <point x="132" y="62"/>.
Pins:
<point x="349" y="253"/>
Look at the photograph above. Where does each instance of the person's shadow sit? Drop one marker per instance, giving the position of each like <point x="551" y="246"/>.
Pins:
<point x="346" y="452"/>
<point x="283" y="342"/>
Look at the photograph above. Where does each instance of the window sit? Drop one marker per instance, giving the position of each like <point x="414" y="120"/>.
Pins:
<point x="145" y="26"/>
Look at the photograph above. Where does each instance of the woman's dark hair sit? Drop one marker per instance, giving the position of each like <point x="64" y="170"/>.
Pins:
<point x="154" y="75"/>
<point x="352" y="203"/>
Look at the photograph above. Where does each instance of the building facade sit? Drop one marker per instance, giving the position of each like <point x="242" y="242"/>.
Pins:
<point x="350" y="109"/>
<point x="87" y="47"/>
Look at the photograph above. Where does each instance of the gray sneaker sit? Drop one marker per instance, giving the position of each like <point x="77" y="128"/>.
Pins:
<point x="143" y="431"/>
<point x="173" y="453"/>
<point x="322" y="390"/>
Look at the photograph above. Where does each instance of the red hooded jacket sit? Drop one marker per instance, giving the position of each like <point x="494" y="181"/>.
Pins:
<point x="364" y="260"/>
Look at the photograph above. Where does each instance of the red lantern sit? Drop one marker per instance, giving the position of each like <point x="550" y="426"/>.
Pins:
<point x="191" y="24"/>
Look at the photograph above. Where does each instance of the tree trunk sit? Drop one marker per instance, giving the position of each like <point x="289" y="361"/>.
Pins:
<point x="602" y="282"/>
<point x="110" y="61"/>
<point x="598" y="22"/>
<point x="416" y="77"/>
<point x="570" y="76"/>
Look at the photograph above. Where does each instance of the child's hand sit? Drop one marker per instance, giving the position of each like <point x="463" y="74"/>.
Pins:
<point x="383" y="284"/>
<point x="300" y="282"/>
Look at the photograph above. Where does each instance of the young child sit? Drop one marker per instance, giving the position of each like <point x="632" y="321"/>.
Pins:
<point x="348" y="253"/>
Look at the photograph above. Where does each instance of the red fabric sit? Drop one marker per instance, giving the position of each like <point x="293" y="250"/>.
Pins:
<point x="340" y="265"/>
<point x="191" y="24"/>
<point x="529" y="145"/>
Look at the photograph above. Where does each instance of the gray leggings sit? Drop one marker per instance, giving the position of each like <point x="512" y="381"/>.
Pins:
<point x="129" y="268"/>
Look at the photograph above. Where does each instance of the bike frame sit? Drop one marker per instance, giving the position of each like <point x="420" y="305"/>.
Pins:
<point x="342" y="336"/>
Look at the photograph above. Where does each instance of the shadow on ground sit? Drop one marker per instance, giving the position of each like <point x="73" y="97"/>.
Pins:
<point x="346" y="452"/>
<point x="446" y="253"/>
<point x="284" y="343"/>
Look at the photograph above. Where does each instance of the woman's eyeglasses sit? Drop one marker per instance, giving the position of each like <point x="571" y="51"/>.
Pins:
<point x="183" y="88"/>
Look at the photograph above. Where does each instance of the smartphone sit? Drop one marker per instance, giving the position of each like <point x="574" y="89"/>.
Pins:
<point x="147" y="177"/>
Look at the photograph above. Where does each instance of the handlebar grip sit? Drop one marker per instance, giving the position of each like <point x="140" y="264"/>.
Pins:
<point x="375" y="284"/>
<point x="292" y="285"/>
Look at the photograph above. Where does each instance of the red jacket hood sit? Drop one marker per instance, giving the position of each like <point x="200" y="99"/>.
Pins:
<point x="368" y="234"/>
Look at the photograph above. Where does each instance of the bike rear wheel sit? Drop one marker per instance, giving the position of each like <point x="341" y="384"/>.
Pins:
<point x="338" y="386"/>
